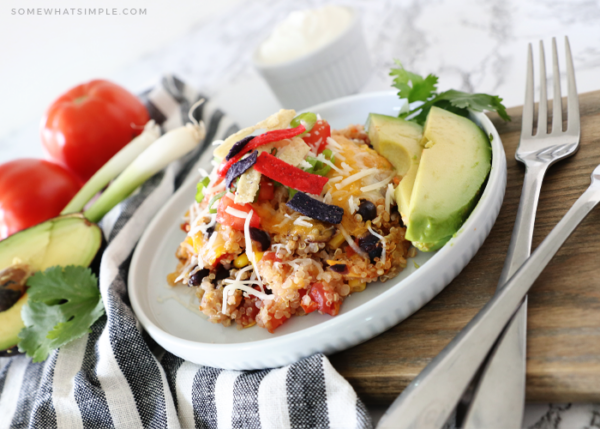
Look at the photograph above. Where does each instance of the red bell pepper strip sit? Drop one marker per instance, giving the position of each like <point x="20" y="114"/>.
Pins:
<point x="289" y="175"/>
<point x="261" y="140"/>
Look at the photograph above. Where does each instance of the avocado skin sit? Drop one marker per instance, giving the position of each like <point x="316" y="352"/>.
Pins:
<point x="11" y="324"/>
<point x="428" y="230"/>
<point x="65" y="240"/>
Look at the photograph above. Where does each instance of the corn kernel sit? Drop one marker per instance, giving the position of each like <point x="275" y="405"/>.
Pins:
<point x="241" y="261"/>
<point x="336" y="241"/>
<point x="357" y="286"/>
<point x="258" y="256"/>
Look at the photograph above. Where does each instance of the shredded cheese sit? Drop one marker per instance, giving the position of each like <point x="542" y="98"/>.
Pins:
<point x="249" y="250"/>
<point x="378" y="184"/>
<point x="337" y="155"/>
<point x="356" y="177"/>
<point x="304" y="164"/>
<point x="389" y="196"/>
<point x="335" y="179"/>
<point x="382" y="238"/>
<point x="332" y="142"/>
<point x="236" y="212"/>
<point x="324" y="160"/>
<point x="303" y="221"/>
<point x="350" y="241"/>
<point x="228" y="290"/>
<point x="351" y="205"/>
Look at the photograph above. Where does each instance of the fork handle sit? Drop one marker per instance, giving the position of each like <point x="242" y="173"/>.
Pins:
<point x="432" y="396"/>
<point x="499" y="399"/>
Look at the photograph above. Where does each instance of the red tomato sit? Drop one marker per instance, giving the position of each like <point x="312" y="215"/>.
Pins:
<point x="275" y="323"/>
<point x="325" y="299"/>
<point x="235" y="222"/>
<point x="317" y="137"/>
<point x="88" y="124"/>
<point x="32" y="191"/>
<point x="312" y="306"/>
<point x="266" y="192"/>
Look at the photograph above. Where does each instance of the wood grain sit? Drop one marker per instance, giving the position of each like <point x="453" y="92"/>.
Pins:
<point x="563" y="348"/>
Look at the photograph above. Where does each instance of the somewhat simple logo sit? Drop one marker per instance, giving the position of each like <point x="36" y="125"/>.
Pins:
<point x="78" y="11"/>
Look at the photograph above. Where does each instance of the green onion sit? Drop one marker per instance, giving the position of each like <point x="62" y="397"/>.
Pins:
<point x="200" y="189"/>
<point x="161" y="153"/>
<point x="318" y="168"/>
<point x="214" y="199"/>
<point x="113" y="168"/>
<point x="307" y="119"/>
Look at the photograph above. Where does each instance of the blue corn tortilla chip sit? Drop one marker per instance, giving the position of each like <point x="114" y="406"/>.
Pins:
<point x="314" y="209"/>
<point x="237" y="147"/>
<point x="239" y="168"/>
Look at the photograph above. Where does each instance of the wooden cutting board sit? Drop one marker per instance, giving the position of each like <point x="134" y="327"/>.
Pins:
<point x="563" y="332"/>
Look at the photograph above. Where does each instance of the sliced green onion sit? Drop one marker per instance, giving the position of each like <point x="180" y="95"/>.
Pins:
<point x="161" y="153"/>
<point x="113" y="168"/>
<point x="200" y="189"/>
<point x="213" y="200"/>
<point x="307" y="119"/>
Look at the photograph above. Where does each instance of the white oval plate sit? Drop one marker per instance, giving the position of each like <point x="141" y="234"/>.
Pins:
<point x="171" y="317"/>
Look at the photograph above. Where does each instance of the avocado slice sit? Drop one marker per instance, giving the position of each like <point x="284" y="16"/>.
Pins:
<point x="65" y="240"/>
<point x="399" y="141"/>
<point x="455" y="163"/>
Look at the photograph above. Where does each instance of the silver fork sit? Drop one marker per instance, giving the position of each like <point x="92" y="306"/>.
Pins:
<point x="499" y="400"/>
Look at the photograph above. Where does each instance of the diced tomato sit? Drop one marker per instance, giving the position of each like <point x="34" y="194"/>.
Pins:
<point x="350" y="251"/>
<point x="275" y="323"/>
<point x="270" y="256"/>
<point x="317" y="137"/>
<point x="325" y="299"/>
<point x="313" y="306"/>
<point x="235" y="222"/>
<point x="266" y="192"/>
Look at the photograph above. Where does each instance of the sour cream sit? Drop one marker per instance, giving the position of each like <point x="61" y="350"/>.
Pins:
<point x="303" y="32"/>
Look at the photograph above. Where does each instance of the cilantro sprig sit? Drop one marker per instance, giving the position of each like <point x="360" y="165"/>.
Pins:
<point x="414" y="87"/>
<point x="63" y="303"/>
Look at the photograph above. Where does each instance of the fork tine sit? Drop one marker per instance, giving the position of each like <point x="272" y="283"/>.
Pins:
<point x="527" y="123"/>
<point x="573" y="98"/>
<point x="556" y="94"/>
<point x="542" y="123"/>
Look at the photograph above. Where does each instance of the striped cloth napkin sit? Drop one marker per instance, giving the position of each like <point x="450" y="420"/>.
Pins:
<point x="117" y="376"/>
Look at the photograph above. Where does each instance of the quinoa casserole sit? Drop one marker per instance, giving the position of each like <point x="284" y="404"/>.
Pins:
<point x="289" y="222"/>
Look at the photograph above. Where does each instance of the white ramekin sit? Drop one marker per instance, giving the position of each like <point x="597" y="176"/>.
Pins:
<point x="334" y="70"/>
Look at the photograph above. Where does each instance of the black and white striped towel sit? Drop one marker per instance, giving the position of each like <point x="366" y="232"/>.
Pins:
<point x="117" y="376"/>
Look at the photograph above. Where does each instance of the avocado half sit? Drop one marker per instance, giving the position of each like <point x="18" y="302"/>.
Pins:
<point x="64" y="240"/>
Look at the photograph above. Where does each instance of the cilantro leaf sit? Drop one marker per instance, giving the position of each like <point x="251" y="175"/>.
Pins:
<point x="412" y="86"/>
<point x="63" y="304"/>
<point x="477" y="102"/>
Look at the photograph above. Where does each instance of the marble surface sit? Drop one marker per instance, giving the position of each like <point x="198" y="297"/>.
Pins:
<point x="476" y="46"/>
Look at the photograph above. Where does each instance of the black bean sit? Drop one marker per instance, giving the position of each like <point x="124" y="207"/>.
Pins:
<point x="222" y="273"/>
<point x="196" y="278"/>
<point x="367" y="210"/>
<point x="339" y="268"/>
<point x="370" y="244"/>
<point x="261" y="237"/>
<point x="209" y="231"/>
